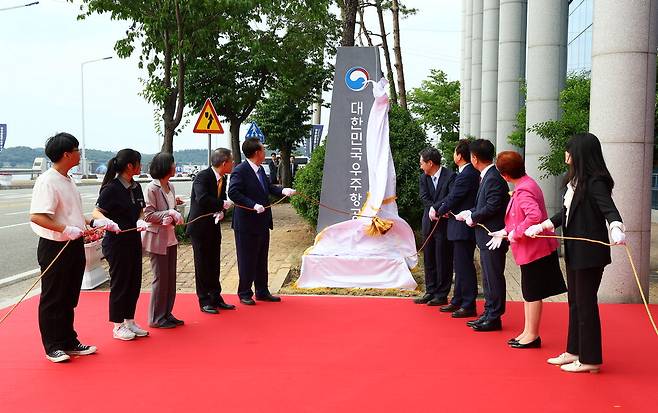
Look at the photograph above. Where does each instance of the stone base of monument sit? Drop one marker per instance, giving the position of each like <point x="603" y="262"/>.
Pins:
<point x="346" y="271"/>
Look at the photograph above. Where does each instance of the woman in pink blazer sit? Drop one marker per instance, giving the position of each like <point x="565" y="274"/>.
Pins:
<point x="159" y="240"/>
<point x="541" y="276"/>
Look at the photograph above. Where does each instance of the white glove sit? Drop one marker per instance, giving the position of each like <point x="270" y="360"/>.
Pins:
<point x="218" y="217"/>
<point x="108" y="224"/>
<point x="168" y="220"/>
<point x="469" y="221"/>
<point x="259" y="208"/>
<point x="228" y="204"/>
<point x="432" y="214"/>
<point x="617" y="235"/>
<point x="288" y="191"/>
<point x="510" y="237"/>
<point x="176" y="216"/>
<point x="462" y="215"/>
<point x="72" y="233"/>
<point x="496" y="239"/>
<point x="141" y="225"/>
<point x="534" y="230"/>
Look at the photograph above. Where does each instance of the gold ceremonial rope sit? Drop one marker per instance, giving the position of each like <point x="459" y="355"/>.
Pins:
<point x="594" y="241"/>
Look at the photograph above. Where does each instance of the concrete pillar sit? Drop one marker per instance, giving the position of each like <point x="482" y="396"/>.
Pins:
<point x="624" y="72"/>
<point x="489" y="69"/>
<point x="461" y="71"/>
<point x="511" y="68"/>
<point x="476" y="65"/>
<point x="546" y="74"/>
<point x="465" y="112"/>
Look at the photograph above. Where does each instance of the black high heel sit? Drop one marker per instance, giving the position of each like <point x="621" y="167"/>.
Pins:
<point x="512" y="341"/>
<point x="536" y="343"/>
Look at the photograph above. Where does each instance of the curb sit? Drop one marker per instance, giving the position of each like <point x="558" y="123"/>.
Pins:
<point x="16" y="278"/>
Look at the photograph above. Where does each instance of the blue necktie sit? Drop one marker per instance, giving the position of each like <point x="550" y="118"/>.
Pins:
<point x="261" y="178"/>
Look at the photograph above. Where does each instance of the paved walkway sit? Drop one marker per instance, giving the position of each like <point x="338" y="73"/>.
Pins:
<point x="290" y="237"/>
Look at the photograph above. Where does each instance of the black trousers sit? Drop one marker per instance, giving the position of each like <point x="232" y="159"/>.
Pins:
<point x="60" y="291"/>
<point x="466" y="288"/>
<point x="252" y="250"/>
<point x="438" y="266"/>
<point x="206" y="268"/>
<point x="125" y="258"/>
<point x="493" y="281"/>
<point x="584" y="338"/>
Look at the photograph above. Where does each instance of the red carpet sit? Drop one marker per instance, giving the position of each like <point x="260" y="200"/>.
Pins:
<point x="324" y="354"/>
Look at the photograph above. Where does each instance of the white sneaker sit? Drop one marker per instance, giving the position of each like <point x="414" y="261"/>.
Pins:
<point x="122" y="332"/>
<point x="578" y="367"/>
<point x="564" y="358"/>
<point x="137" y="330"/>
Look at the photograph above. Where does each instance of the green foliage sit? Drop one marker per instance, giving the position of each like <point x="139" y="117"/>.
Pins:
<point x="436" y="103"/>
<point x="574" y="102"/>
<point x="517" y="137"/>
<point x="308" y="181"/>
<point x="407" y="139"/>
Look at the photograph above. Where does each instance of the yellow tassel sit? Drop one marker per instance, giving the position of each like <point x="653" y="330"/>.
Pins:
<point x="378" y="226"/>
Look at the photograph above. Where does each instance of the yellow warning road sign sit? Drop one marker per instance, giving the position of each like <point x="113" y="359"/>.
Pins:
<point x="208" y="122"/>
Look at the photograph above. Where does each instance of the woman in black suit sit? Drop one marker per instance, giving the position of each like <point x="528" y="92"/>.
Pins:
<point x="588" y="205"/>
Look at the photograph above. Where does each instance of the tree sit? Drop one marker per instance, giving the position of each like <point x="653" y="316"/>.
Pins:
<point x="387" y="54"/>
<point x="252" y="58"/>
<point x="436" y="103"/>
<point x="170" y="33"/>
<point x="348" y="10"/>
<point x="395" y="10"/>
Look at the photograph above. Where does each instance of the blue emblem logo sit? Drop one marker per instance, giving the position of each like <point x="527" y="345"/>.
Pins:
<point x="356" y="79"/>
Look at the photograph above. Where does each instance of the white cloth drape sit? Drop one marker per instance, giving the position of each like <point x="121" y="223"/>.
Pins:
<point x="344" y="255"/>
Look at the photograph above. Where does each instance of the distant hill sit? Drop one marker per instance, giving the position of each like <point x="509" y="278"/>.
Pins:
<point x="22" y="156"/>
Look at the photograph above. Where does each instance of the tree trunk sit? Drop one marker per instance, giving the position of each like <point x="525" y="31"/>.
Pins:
<point x="395" y="10"/>
<point x="363" y="28"/>
<point x="234" y="128"/>
<point x="348" y="13"/>
<point x="387" y="55"/>
<point x="286" y="170"/>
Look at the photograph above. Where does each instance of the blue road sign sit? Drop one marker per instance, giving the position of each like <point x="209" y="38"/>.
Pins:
<point x="3" y="135"/>
<point x="255" y="132"/>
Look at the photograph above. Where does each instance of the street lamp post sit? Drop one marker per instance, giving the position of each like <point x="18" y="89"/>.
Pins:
<point x="82" y="92"/>
<point x="34" y="3"/>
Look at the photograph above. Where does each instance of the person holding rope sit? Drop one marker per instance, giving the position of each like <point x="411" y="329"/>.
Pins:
<point x="208" y="197"/>
<point x="587" y="206"/>
<point x="250" y="189"/>
<point x="489" y="210"/>
<point x="159" y="240"/>
<point x="121" y="200"/>
<point x="56" y="217"/>
<point x="541" y="276"/>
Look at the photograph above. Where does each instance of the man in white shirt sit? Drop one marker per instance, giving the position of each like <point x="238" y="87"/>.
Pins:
<point x="56" y="217"/>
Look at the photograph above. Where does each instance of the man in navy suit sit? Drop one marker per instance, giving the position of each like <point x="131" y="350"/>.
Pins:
<point x="434" y="184"/>
<point x="461" y="196"/>
<point x="250" y="187"/>
<point x="490" y="205"/>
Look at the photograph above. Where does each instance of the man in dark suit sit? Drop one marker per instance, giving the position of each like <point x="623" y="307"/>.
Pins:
<point x="434" y="183"/>
<point x="490" y="205"/>
<point x="273" y="164"/>
<point x="208" y="196"/>
<point x="461" y="197"/>
<point x="251" y="188"/>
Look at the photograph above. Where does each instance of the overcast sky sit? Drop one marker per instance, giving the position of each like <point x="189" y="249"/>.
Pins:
<point x="43" y="46"/>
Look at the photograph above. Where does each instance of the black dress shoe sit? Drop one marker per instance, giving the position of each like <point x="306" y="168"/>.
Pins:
<point x="271" y="298"/>
<point x="225" y="306"/>
<point x="512" y="341"/>
<point x="247" y="301"/>
<point x="489" y="325"/>
<point x="434" y="302"/>
<point x="209" y="309"/>
<point x="464" y="313"/>
<point x="478" y="321"/>
<point x="424" y="299"/>
<point x="175" y="320"/>
<point x="450" y="308"/>
<point x="536" y="343"/>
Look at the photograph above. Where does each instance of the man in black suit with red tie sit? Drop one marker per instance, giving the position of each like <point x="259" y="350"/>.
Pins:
<point x="461" y="197"/>
<point x="251" y="188"/>
<point x="208" y="196"/>
<point x="434" y="183"/>
<point x="489" y="210"/>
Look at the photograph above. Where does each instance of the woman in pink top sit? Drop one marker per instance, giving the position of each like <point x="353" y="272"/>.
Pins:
<point x="541" y="276"/>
